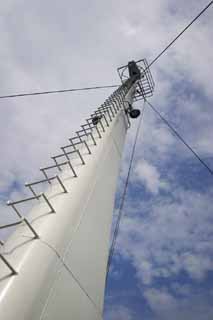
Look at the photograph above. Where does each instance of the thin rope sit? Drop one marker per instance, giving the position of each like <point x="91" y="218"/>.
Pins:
<point x="179" y="35"/>
<point x="123" y="198"/>
<point x="25" y="94"/>
<point x="180" y="137"/>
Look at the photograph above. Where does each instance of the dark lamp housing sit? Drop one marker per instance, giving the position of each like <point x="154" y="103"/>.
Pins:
<point x="95" y="120"/>
<point x="134" y="113"/>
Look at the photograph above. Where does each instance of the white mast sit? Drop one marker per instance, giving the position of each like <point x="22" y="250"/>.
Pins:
<point x="54" y="266"/>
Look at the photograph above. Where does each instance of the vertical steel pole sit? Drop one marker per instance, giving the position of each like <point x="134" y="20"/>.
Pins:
<point x="61" y="275"/>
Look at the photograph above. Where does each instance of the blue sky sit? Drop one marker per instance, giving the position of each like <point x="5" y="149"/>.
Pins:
<point x="176" y="250"/>
<point x="163" y="267"/>
<point x="163" y="262"/>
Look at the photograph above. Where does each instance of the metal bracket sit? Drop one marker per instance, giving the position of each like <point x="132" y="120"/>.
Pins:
<point x="30" y="185"/>
<point x="145" y="85"/>
<point x="58" y="165"/>
<point x="13" y="271"/>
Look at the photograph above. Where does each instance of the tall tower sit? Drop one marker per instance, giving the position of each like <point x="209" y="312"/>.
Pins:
<point x="54" y="265"/>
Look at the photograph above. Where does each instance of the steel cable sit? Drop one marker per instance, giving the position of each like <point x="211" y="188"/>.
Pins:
<point x="25" y="94"/>
<point x="180" y="137"/>
<point x="123" y="197"/>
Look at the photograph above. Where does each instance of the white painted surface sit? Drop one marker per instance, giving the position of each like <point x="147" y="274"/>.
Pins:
<point x="62" y="274"/>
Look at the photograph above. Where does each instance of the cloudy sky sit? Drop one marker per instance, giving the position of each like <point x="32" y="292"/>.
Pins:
<point x="163" y="267"/>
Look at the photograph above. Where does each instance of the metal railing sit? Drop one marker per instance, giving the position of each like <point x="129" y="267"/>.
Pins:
<point x="92" y="131"/>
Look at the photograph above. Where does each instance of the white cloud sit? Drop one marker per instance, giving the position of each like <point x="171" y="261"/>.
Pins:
<point x="170" y="237"/>
<point x="160" y="300"/>
<point x="150" y="176"/>
<point x="119" y="313"/>
<point x="165" y="306"/>
<point x="197" y="265"/>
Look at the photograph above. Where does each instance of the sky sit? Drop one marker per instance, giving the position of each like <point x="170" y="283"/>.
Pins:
<point x="163" y="263"/>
